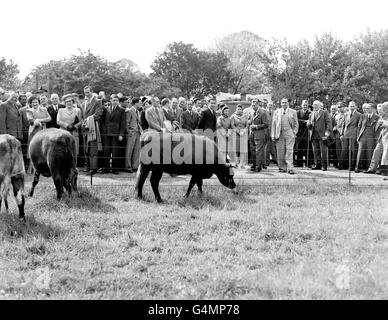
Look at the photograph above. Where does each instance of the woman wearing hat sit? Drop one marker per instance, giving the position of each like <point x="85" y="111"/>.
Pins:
<point x="223" y="131"/>
<point x="239" y="124"/>
<point x="70" y="118"/>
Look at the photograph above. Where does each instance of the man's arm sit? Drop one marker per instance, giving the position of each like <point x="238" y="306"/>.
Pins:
<point x="3" y="118"/>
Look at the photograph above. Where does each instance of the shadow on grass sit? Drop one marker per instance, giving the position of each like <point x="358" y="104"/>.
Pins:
<point x="12" y="227"/>
<point x="84" y="199"/>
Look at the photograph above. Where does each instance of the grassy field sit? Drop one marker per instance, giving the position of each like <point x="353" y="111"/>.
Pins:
<point x="279" y="242"/>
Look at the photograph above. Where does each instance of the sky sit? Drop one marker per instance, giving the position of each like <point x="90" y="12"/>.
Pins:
<point x="37" y="31"/>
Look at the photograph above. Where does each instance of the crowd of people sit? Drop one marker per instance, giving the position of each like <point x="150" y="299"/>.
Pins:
<point x="107" y="130"/>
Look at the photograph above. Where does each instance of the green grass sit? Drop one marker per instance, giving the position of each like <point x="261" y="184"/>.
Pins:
<point x="257" y="243"/>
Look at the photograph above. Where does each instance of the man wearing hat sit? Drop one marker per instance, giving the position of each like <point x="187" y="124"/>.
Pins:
<point x="134" y="131"/>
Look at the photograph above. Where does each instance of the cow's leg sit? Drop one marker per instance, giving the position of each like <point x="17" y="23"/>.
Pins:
<point x="57" y="177"/>
<point x="18" y="192"/>
<point x="34" y="183"/>
<point x="155" y="179"/>
<point x="191" y="185"/>
<point x="199" y="185"/>
<point x="142" y="174"/>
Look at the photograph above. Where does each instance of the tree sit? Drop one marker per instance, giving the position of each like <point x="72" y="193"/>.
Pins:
<point x="366" y="77"/>
<point x="194" y="72"/>
<point x="245" y="51"/>
<point x="179" y="65"/>
<point x="9" y="72"/>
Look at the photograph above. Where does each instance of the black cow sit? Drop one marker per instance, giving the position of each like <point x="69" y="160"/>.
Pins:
<point x="11" y="172"/>
<point x="53" y="153"/>
<point x="180" y="154"/>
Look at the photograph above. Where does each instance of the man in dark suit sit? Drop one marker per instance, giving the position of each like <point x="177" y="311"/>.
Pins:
<point x="301" y="143"/>
<point x="174" y="114"/>
<point x="208" y="120"/>
<point x="259" y="131"/>
<point x="10" y="118"/>
<point x="366" y="137"/>
<point x="320" y="127"/>
<point x="53" y="111"/>
<point x="113" y="127"/>
<point x="92" y="113"/>
<point x="349" y="139"/>
<point x="23" y="106"/>
<point x="189" y="119"/>
<point x="143" y="121"/>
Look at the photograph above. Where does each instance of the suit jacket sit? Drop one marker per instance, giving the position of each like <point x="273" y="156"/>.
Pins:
<point x="189" y="122"/>
<point x="93" y="108"/>
<point x="143" y="120"/>
<point x="208" y="120"/>
<point x="177" y="116"/>
<point x="351" y="125"/>
<point x="11" y="120"/>
<point x="277" y="122"/>
<point x="320" y="125"/>
<point x="53" y="114"/>
<point x="25" y="122"/>
<point x="363" y="123"/>
<point x="133" y="121"/>
<point x="302" y="118"/>
<point x="113" y="123"/>
<point x="155" y="118"/>
<point x="260" y="119"/>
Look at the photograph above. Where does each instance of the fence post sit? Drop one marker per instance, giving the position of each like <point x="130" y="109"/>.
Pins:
<point x="350" y="160"/>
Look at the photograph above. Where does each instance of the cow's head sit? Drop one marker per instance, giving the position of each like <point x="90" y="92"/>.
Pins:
<point x="225" y="175"/>
<point x="72" y="180"/>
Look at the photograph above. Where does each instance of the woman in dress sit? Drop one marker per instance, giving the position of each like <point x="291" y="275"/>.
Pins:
<point x="223" y="131"/>
<point x="70" y="118"/>
<point x="37" y="116"/>
<point x="239" y="124"/>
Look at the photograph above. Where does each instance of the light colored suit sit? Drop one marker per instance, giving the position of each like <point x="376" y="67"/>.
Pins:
<point x="155" y="118"/>
<point x="285" y="136"/>
<point x="93" y="108"/>
<point x="133" y="138"/>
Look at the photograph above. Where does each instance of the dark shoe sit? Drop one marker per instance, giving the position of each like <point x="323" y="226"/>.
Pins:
<point x="258" y="170"/>
<point x="85" y="170"/>
<point x="128" y="170"/>
<point x="253" y="168"/>
<point x="356" y="170"/>
<point x="378" y="171"/>
<point x="101" y="170"/>
<point x="316" y="168"/>
<point x="370" y="171"/>
<point x="282" y="170"/>
<point x="264" y="167"/>
<point x="290" y="171"/>
<point x="324" y="169"/>
<point x="114" y="172"/>
<point x="94" y="171"/>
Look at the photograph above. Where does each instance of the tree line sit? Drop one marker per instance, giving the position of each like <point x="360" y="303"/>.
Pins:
<point x="328" y="69"/>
